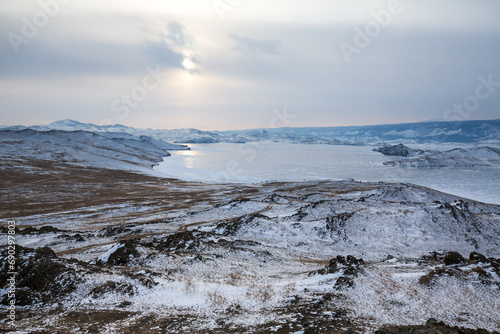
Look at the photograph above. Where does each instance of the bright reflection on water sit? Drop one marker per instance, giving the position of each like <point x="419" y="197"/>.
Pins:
<point x="189" y="157"/>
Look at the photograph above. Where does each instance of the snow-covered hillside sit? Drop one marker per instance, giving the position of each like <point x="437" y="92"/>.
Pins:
<point x="469" y="157"/>
<point x="174" y="136"/>
<point x="78" y="147"/>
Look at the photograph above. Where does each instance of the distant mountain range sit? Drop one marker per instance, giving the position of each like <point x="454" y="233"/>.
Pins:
<point x="479" y="131"/>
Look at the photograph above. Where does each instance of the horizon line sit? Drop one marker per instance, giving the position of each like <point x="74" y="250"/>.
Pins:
<point x="247" y="129"/>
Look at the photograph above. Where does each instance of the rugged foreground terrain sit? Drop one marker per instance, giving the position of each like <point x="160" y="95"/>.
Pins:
<point x="108" y="251"/>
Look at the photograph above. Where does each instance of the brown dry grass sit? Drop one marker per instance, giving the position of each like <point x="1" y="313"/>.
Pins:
<point x="54" y="187"/>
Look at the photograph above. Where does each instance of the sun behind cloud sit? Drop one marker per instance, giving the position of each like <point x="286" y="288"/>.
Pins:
<point x="188" y="64"/>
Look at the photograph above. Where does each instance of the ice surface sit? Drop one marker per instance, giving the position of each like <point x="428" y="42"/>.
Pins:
<point x="249" y="163"/>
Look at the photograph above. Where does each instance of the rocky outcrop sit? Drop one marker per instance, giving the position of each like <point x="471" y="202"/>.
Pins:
<point x="431" y="327"/>
<point x="399" y="150"/>
<point x="477" y="268"/>
<point x="41" y="276"/>
<point x="120" y="254"/>
<point x="348" y="265"/>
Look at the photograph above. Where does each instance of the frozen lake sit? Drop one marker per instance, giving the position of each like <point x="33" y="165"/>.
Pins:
<point x="260" y="162"/>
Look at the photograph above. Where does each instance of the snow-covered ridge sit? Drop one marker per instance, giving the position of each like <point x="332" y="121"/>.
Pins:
<point x="105" y="150"/>
<point x="459" y="157"/>
<point x="481" y="131"/>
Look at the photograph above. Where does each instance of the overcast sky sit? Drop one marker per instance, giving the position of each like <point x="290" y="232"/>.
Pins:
<point x="235" y="64"/>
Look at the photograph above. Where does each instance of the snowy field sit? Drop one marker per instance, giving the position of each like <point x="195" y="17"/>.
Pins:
<point x="313" y="257"/>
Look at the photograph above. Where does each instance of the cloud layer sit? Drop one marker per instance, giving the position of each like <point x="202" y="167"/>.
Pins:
<point x="410" y="66"/>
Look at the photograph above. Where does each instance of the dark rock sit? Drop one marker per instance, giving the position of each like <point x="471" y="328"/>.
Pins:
<point x="123" y="254"/>
<point x="341" y="259"/>
<point x="431" y="322"/>
<point x="330" y="269"/>
<point x="41" y="276"/>
<point x="77" y="237"/>
<point x="349" y="260"/>
<point x="332" y="266"/>
<point x="275" y="198"/>
<point x="124" y="303"/>
<point x="349" y="265"/>
<point x="114" y="230"/>
<point x="458" y="267"/>
<point x="452" y="258"/>
<point x="50" y="229"/>
<point x="351" y="270"/>
<point x="36" y="276"/>
<point x="29" y="230"/>
<point x="478" y="257"/>
<point x="431" y="327"/>
<point x="399" y="150"/>
<point x="433" y="257"/>
<point x="335" y="225"/>
<point x="354" y="261"/>
<point x="113" y="287"/>
<point x="44" y="253"/>
<point x="431" y="277"/>
<point x="344" y="282"/>
<point x="495" y="264"/>
<point x="42" y="230"/>
<point x="180" y="241"/>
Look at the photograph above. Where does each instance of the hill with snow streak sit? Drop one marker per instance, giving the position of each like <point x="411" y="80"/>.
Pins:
<point x="83" y="148"/>
<point x="459" y="157"/>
